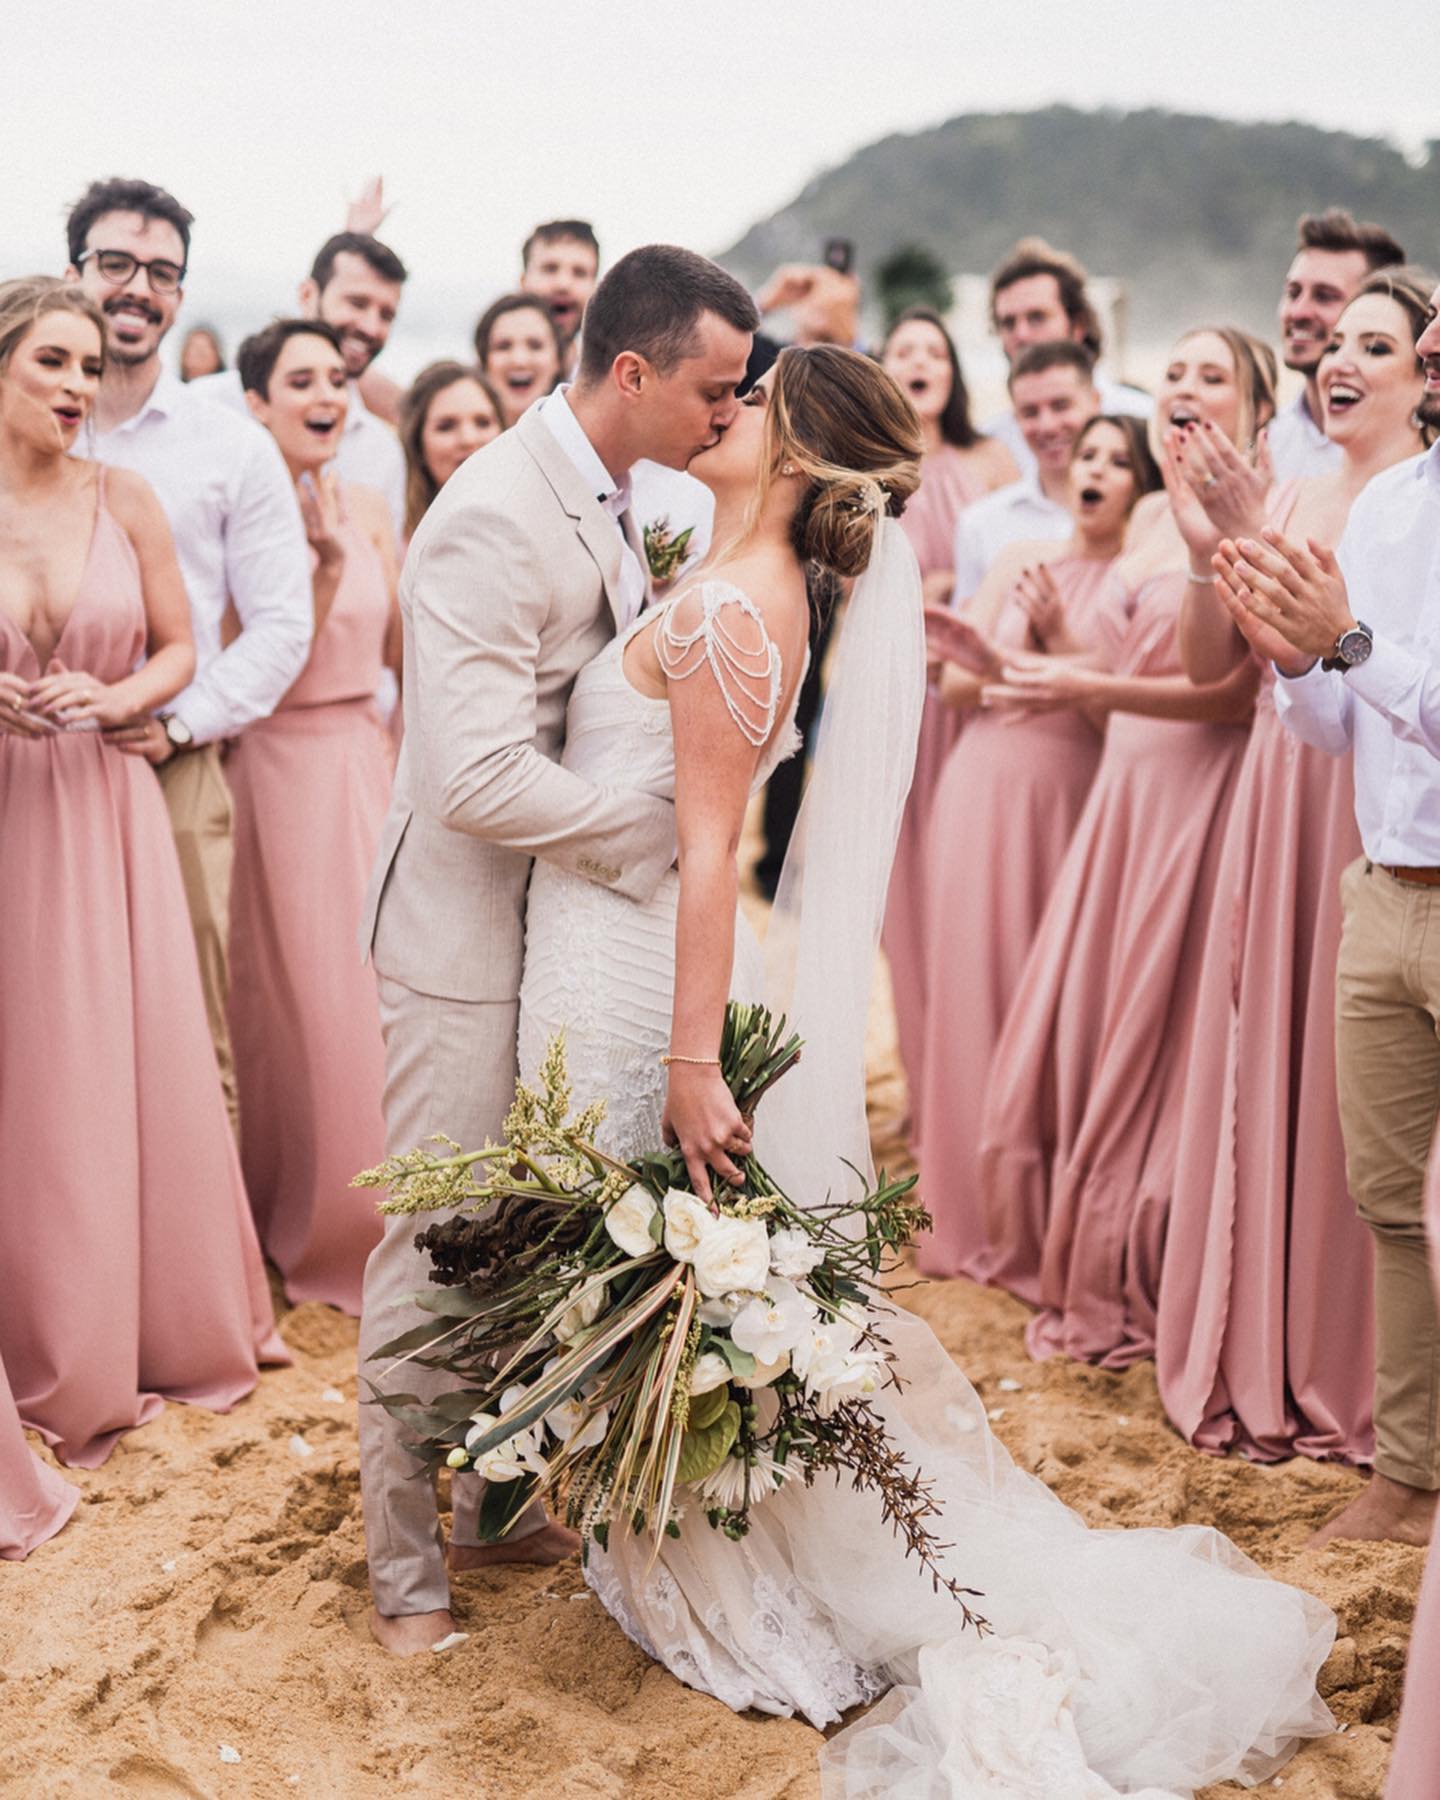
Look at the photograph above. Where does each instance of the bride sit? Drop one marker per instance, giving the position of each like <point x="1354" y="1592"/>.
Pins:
<point x="1134" y="1662"/>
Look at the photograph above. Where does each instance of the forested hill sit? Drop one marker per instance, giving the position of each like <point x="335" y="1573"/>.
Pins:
<point x="1197" y="214"/>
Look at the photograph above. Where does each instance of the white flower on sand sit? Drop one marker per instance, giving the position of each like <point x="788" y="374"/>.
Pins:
<point x="686" y="1222"/>
<point x="514" y="1457"/>
<point x="726" y="1487"/>
<point x="711" y="1371"/>
<point x="793" y="1254"/>
<point x="734" y="1253"/>
<point x="628" y="1221"/>
<point x="583" y="1313"/>
<point x="721" y="1310"/>
<point x="765" y="1372"/>
<point x="773" y="1322"/>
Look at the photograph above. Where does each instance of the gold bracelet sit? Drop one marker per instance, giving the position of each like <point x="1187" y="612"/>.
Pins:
<point x="703" y="1062"/>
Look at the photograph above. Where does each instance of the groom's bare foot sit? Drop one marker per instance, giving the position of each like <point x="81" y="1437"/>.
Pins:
<point x="552" y="1543"/>
<point x="407" y="1634"/>
<point x="1382" y="1510"/>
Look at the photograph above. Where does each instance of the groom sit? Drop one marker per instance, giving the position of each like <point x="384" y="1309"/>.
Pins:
<point x="524" y="567"/>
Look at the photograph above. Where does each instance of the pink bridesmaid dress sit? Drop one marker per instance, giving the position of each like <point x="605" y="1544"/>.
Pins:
<point x="1082" y="1113"/>
<point x="1265" y="1251"/>
<point x="946" y="488"/>
<point x="1005" y="806"/>
<point x="1415" y="1763"/>
<point x="131" y="1269"/>
<point x="34" y="1501"/>
<point x="311" y="786"/>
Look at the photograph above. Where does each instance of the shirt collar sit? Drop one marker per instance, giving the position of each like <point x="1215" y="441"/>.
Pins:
<point x="570" y="435"/>
<point x="358" y="412"/>
<point x="1427" y="467"/>
<point x="1300" y="408"/>
<point x="164" y="399"/>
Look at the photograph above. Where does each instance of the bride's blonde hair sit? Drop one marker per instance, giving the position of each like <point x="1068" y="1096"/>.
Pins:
<point x="837" y="419"/>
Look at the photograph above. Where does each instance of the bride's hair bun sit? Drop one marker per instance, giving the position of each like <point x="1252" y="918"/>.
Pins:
<point x="838" y="419"/>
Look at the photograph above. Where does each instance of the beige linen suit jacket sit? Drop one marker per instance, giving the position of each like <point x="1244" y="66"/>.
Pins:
<point x="510" y="587"/>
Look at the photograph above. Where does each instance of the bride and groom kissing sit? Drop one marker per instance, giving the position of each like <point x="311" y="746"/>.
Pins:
<point x="561" y="854"/>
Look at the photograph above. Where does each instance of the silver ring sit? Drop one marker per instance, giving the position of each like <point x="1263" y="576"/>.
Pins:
<point x="1209" y="481"/>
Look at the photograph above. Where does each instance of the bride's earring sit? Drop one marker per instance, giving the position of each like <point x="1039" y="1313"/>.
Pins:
<point x="787" y="468"/>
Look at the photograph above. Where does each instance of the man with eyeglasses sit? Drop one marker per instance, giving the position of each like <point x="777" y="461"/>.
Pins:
<point x="238" y="535"/>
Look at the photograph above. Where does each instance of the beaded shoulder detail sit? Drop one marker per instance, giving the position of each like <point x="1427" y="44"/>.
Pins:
<point x="728" y="637"/>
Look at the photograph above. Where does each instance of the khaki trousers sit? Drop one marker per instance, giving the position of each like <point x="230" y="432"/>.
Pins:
<point x="449" y="1067"/>
<point x="1388" y="1068"/>
<point x="202" y="817"/>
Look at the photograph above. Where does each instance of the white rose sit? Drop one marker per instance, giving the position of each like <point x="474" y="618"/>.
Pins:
<point x="773" y="1322"/>
<point x="584" y="1312"/>
<point x="765" y="1372"/>
<point x="686" y="1222"/>
<point x="628" y="1221"/>
<point x="793" y="1254"/>
<point x="734" y="1253"/>
<point x="711" y="1371"/>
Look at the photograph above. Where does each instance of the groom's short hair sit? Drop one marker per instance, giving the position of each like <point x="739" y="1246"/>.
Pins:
<point x="651" y="302"/>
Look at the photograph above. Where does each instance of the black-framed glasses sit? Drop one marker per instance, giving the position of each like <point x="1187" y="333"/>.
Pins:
<point x="117" y="266"/>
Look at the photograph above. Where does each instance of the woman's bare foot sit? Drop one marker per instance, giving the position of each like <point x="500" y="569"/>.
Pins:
<point x="407" y="1634"/>
<point x="1383" y="1509"/>
<point x="552" y="1543"/>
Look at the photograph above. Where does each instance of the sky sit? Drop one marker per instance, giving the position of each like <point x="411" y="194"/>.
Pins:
<point x="656" y="119"/>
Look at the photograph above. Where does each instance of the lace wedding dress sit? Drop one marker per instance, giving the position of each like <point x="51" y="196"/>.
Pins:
<point x="1133" y="1662"/>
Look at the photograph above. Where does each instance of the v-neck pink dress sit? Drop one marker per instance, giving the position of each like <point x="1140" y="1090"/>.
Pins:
<point x="311" y="785"/>
<point x="132" y="1274"/>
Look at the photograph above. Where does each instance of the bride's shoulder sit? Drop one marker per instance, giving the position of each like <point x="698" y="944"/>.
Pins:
<point x="744" y="606"/>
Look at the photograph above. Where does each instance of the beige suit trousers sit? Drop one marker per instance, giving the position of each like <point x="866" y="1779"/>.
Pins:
<point x="1388" y="1071"/>
<point x="202" y="817"/>
<point x="449" y="1067"/>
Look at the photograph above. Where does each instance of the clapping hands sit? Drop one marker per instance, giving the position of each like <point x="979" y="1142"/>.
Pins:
<point x="1214" y="491"/>
<point x="1289" y="602"/>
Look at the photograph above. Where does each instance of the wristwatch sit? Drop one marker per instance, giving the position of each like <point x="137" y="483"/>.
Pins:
<point x="1351" y="648"/>
<point x="179" y="733"/>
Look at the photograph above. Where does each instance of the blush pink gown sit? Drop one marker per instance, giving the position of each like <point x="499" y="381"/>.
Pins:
<point x="131" y="1270"/>
<point x="1265" y="1336"/>
<point x="1082" y="1111"/>
<point x="1415" y="1764"/>
<point x="947" y="487"/>
<point x="1005" y="806"/>
<point x="34" y="1501"/>
<point x="311" y="786"/>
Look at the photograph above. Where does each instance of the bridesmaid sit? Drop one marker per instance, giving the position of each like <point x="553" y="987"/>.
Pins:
<point x="448" y="413"/>
<point x="34" y="1501"/>
<point x="311" y="785"/>
<point x="131" y="1270"/>
<point x="959" y="466"/>
<point x="1265" y="1252"/>
<point x="1081" y="1115"/>
<point x="1005" y="806"/>
<point x="518" y="348"/>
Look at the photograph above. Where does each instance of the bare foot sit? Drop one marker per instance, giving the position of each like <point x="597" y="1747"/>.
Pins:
<point x="407" y="1634"/>
<point x="1383" y="1509"/>
<point x="552" y="1543"/>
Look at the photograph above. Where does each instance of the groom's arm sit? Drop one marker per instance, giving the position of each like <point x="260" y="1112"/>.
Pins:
<point x="478" y="602"/>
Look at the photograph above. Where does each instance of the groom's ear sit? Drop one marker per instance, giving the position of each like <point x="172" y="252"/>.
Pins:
<point x="629" y="372"/>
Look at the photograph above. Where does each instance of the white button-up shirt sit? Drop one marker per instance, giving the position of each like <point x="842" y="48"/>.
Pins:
<point x="614" y="496"/>
<point x="369" y="453"/>
<point x="1298" y="447"/>
<point x="238" y="536"/>
<point x="1016" y="514"/>
<point x="1115" y="397"/>
<point x="1388" y="707"/>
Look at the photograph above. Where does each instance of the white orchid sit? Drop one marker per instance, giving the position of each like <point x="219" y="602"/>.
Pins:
<point x="773" y="1322"/>
<point x="845" y="1371"/>
<point x="793" y="1254"/>
<point x="826" y="1341"/>
<point x="628" y="1221"/>
<point x="726" y="1487"/>
<point x="686" y="1222"/>
<point x="517" y="1456"/>
<point x="734" y="1253"/>
<point x="711" y="1371"/>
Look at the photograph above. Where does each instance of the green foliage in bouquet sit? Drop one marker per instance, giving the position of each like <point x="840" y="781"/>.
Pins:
<point x="625" y="1349"/>
<point x="666" y="554"/>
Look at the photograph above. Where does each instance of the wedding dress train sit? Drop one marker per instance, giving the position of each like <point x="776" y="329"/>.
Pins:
<point x="1136" y="1662"/>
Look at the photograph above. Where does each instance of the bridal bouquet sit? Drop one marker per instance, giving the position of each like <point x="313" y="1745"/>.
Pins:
<point x="631" y="1352"/>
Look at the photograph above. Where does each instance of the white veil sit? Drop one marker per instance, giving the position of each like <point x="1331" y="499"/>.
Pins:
<point x="825" y="927"/>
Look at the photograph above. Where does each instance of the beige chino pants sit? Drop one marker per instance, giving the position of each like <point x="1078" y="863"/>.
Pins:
<point x="1388" y="1069"/>
<point x="449" y="1067"/>
<point x="202" y="817"/>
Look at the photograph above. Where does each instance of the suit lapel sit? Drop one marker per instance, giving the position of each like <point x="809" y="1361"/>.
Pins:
<point x="593" y="525"/>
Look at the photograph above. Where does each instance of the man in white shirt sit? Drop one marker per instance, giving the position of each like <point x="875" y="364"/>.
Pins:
<point x="560" y="264"/>
<point x="355" y="285"/>
<point x="1333" y="255"/>
<point x="238" y="537"/>
<point x="1053" y="391"/>
<point x="1038" y="296"/>
<point x="1356" y="633"/>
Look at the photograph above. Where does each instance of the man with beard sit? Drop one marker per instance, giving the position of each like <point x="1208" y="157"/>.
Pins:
<point x="1356" y="634"/>
<point x="1333" y="255"/>
<point x="354" y="284"/>
<point x="238" y="536"/>
<point x="560" y="265"/>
